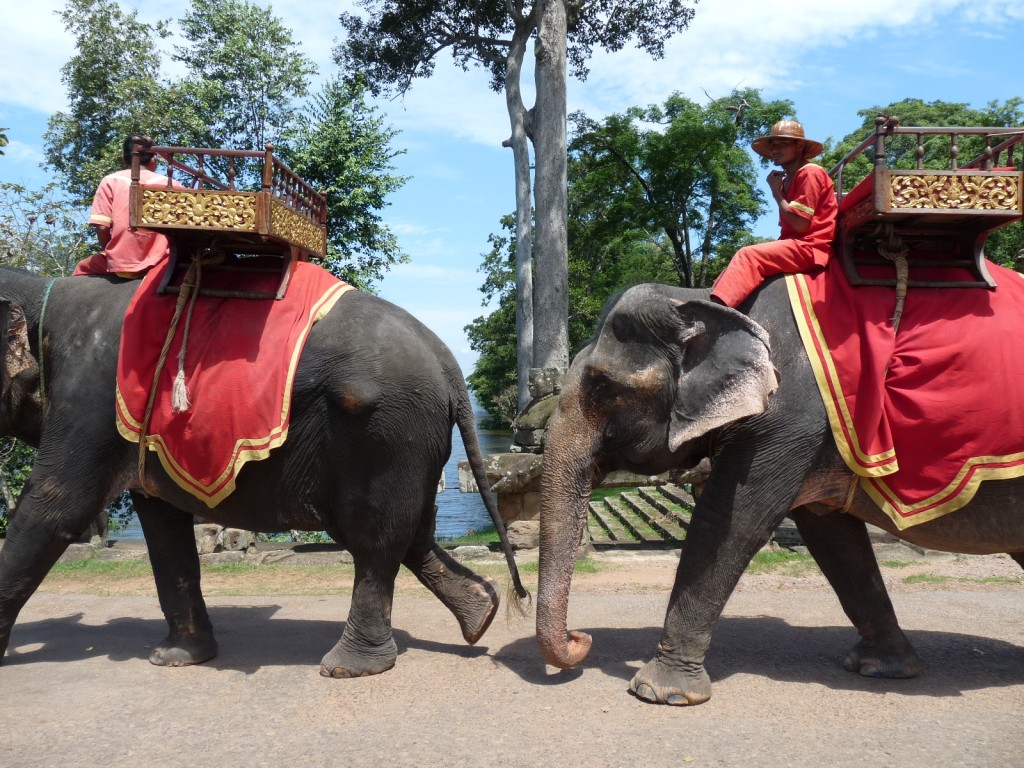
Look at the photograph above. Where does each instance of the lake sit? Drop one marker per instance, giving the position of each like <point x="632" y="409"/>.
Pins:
<point x="457" y="512"/>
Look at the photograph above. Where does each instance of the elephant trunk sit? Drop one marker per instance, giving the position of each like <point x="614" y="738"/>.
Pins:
<point x="565" y="494"/>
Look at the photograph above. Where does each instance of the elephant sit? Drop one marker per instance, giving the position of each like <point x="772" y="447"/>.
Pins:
<point x="670" y="378"/>
<point x="374" y="401"/>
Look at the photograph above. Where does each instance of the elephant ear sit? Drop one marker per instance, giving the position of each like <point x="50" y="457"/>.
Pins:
<point x="725" y="370"/>
<point x="20" y="371"/>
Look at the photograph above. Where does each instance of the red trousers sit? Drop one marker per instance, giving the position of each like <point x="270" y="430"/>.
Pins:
<point x="752" y="264"/>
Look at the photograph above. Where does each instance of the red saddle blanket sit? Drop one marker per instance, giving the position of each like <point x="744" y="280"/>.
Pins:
<point x="923" y="415"/>
<point x="240" y="363"/>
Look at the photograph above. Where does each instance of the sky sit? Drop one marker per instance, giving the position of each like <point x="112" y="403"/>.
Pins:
<point x="830" y="59"/>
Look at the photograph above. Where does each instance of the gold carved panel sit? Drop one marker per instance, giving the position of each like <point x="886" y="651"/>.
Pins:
<point x="201" y="209"/>
<point x="296" y="229"/>
<point x="955" y="192"/>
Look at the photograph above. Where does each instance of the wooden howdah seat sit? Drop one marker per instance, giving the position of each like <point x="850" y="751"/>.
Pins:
<point x="937" y="218"/>
<point x="229" y="229"/>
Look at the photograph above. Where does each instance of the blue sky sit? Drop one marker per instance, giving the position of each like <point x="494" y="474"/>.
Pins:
<point x="830" y="61"/>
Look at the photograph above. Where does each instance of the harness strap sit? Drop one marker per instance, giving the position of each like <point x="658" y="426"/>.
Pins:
<point x="42" y="356"/>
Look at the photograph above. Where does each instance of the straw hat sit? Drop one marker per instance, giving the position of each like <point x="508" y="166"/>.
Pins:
<point x="787" y="129"/>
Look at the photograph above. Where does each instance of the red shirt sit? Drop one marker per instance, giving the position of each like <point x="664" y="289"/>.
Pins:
<point x="812" y="196"/>
<point x="127" y="251"/>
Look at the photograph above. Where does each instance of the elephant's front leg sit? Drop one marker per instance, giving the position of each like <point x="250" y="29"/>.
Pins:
<point x="711" y="564"/>
<point x="170" y="539"/>
<point x="45" y="522"/>
<point x="842" y="549"/>
<point x="471" y="598"/>
<point x="367" y="646"/>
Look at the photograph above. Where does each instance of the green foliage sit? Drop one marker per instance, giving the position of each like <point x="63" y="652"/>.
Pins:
<point x="16" y="460"/>
<point x="3" y="139"/>
<point x="42" y="230"/>
<point x="678" y="178"/>
<point x="244" y="82"/>
<point x="342" y="147"/>
<point x="395" y="41"/>
<point x="115" y="67"/>
<point x="250" y="69"/>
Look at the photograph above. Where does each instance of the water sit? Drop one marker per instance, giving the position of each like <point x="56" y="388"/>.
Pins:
<point x="457" y="512"/>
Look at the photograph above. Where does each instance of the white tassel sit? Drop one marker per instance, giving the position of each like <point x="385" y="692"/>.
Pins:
<point x="179" y="394"/>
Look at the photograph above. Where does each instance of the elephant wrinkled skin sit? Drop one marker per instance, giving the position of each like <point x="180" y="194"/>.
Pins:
<point x="670" y="378"/>
<point x="374" y="401"/>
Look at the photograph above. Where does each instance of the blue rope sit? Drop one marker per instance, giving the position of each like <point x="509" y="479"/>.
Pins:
<point x="42" y="314"/>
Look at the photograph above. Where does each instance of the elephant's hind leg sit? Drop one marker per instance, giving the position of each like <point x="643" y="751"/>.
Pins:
<point x="170" y="540"/>
<point x="840" y="546"/>
<point x="367" y="646"/>
<point x="470" y="597"/>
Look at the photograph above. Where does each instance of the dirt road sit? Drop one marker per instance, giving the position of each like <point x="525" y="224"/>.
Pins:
<point x="76" y="689"/>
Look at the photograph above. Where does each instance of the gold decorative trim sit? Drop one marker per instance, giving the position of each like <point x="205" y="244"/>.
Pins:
<point x="955" y="192"/>
<point x="296" y="229"/>
<point x="199" y="209"/>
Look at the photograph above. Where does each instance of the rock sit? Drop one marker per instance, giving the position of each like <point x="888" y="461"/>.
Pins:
<point x="470" y="552"/>
<point x="545" y="381"/>
<point x="76" y="552"/>
<point x="220" y="558"/>
<point x="524" y="534"/>
<point x="207" y="538"/>
<point x="237" y="540"/>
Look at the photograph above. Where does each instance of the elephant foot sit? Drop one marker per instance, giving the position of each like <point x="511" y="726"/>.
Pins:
<point x="184" y="651"/>
<point x="897" y="660"/>
<point x="477" y="610"/>
<point x="682" y="685"/>
<point x="342" y="661"/>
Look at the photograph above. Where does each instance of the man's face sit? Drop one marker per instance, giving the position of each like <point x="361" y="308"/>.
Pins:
<point x="783" y="151"/>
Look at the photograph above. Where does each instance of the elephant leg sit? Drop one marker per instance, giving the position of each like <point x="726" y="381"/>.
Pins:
<point x="470" y="597"/>
<point x="37" y="536"/>
<point x="840" y="546"/>
<point x="170" y="539"/>
<point x="367" y="646"/>
<point x="715" y="554"/>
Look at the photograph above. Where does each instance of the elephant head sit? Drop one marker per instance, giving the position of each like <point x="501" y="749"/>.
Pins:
<point x="20" y="402"/>
<point x="664" y="371"/>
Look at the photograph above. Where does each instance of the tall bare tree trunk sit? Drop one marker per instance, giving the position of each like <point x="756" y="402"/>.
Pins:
<point x="551" y="304"/>
<point x="519" y="141"/>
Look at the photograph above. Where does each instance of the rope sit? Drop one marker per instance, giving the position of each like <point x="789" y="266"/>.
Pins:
<point x="188" y="285"/>
<point x="42" y="357"/>
<point x="892" y="247"/>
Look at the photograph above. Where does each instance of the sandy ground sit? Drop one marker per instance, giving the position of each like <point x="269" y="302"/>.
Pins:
<point x="77" y="690"/>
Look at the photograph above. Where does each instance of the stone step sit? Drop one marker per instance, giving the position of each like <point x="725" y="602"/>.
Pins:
<point x="680" y="515"/>
<point x="663" y="524"/>
<point x="634" y="523"/>
<point x="604" y="526"/>
<point x="677" y="495"/>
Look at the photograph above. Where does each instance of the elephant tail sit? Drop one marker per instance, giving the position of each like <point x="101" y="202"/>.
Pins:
<point x="519" y="597"/>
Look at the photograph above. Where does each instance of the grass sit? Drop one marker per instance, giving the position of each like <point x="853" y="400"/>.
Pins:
<point x="791" y="563"/>
<point x="928" y="578"/>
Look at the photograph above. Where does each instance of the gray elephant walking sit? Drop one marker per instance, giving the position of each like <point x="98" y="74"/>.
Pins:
<point x="671" y="378"/>
<point x="375" y="398"/>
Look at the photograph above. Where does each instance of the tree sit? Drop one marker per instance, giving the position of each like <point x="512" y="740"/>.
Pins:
<point x="3" y="139"/>
<point x="248" y="68"/>
<point x="42" y="230"/>
<point x="244" y="77"/>
<point x="1003" y="246"/>
<point x="115" y="67"/>
<point x="399" y="40"/>
<point x="341" y="146"/>
<point x="679" y="176"/>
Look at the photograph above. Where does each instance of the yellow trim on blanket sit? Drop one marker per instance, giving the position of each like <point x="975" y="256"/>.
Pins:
<point x="839" y="418"/>
<point x="973" y="470"/>
<point x="244" y="450"/>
